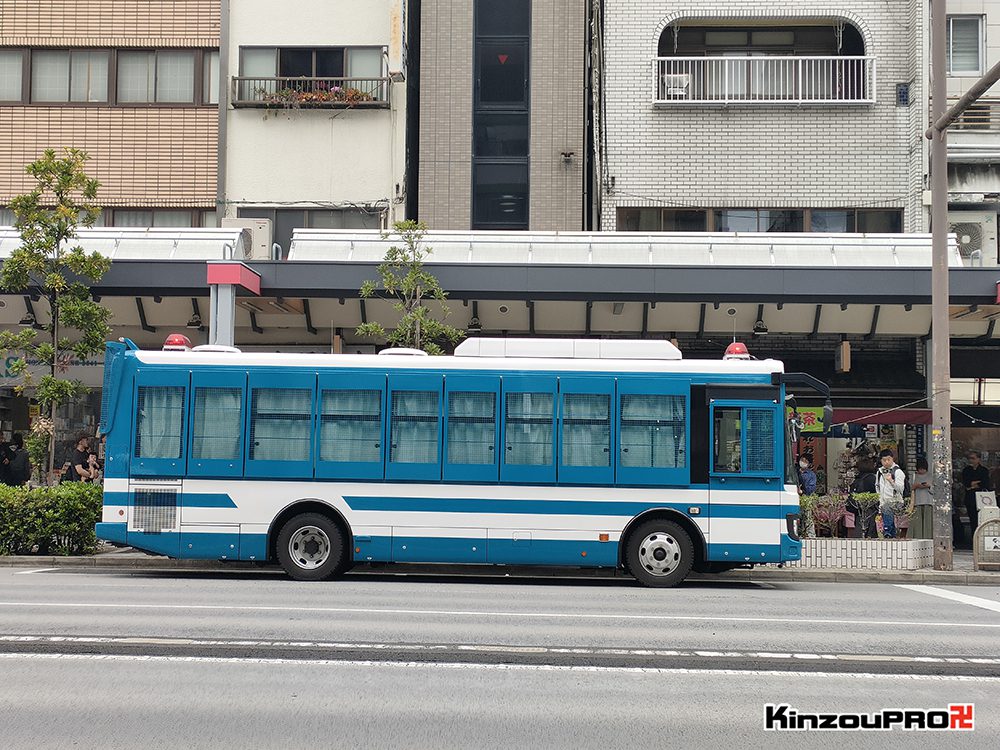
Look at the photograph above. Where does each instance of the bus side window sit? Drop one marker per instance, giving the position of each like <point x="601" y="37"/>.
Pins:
<point x="218" y="424"/>
<point x="653" y="431"/>
<point x="530" y="428"/>
<point x="159" y="421"/>
<point x="760" y="440"/>
<point x="414" y="428"/>
<point x="280" y="424"/>
<point x="728" y="440"/>
<point x="350" y="426"/>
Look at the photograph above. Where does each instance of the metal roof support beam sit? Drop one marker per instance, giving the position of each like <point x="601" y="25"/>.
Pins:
<point x="989" y="331"/>
<point x="196" y="313"/>
<point x="815" y="330"/>
<point x="874" y="327"/>
<point x="531" y="316"/>
<point x="364" y="311"/>
<point x="253" y="323"/>
<point x="142" y="316"/>
<point x="701" y="321"/>
<point x="309" y="321"/>
<point x="645" y="320"/>
<point x="590" y="307"/>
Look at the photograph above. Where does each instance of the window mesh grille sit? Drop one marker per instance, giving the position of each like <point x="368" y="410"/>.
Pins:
<point x="155" y="510"/>
<point x="414" y="427"/>
<point x="351" y="426"/>
<point x="112" y="371"/>
<point x="653" y="431"/>
<point x="160" y="422"/>
<point x="471" y="427"/>
<point x="760" y="440"/>
<point x="586" y="429"/>
<point x="529" y="430"/>
<point x="218" y="428"/>
<point x="280" y="422"/>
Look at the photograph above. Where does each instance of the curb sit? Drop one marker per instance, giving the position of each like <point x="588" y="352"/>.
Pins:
<point x="112" y="561"/>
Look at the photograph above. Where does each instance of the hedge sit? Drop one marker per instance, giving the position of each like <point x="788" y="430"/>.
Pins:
<point x="49" y="520"/>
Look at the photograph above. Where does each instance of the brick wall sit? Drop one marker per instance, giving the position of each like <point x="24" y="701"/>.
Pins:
<point x="763" y="156"/>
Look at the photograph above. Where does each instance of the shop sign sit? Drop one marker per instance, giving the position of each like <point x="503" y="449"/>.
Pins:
<point x="811" y="418"/>
<point x="90" y="372"/>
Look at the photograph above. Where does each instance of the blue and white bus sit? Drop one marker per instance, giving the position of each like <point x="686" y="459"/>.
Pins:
<point x="616" y="454"/>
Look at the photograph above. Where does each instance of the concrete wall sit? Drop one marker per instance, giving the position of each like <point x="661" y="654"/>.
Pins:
<point x="775" y="156"/>
<point x="314" y="158"/>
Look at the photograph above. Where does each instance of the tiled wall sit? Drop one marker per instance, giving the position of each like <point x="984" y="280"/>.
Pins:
<point x="868" y="554"/>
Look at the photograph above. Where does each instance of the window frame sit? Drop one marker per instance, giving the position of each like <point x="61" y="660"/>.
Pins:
<point x="981" y="38"/>
<point x="586" y="475"/>
<point x="351" y="470"/>
<point x="429" y="471"/>
<point x="530" y="473"/>
<point x="159" y="467"/>
<point x="463" y="472"/>
<point x="25" y="96"/>
<point x="777" y="451"/>
<point x="216" y="467"/>
<point x="271" y="468"/>
<point x="658" y="475"/>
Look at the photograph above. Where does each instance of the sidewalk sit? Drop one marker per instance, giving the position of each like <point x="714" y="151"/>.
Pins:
<point x="130" y="559"/>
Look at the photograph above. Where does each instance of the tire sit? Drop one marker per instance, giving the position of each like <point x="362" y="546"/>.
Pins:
<point x="645" y="545"/>
<point x="311" y="547"/>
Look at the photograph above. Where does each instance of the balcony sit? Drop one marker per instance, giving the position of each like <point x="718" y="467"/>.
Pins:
<point x="310" y="93"/>
<point x="763" y="80"/>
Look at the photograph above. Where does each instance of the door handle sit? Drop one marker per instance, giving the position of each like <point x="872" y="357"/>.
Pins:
<point x="624" y="450"/>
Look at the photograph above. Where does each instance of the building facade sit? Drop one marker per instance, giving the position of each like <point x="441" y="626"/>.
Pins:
<point x="137" y="90"/>
<point x="313" y="114"/>
<point x="502" y="126"/>
<point x="765" y="116"/>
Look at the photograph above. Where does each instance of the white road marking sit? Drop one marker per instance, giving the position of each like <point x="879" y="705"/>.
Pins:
<point x="29" y="572"/>
<point x="497" y="614"/>
<point x="974" y="601"/>
<point x="298" y="663"/>
<point x="489" y="648"/>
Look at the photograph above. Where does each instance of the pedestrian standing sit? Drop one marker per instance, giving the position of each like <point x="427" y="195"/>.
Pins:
<point x="19" y="469"/>
<point x="922" y="503"/>
<point x="889" y="484"/>
<point x="807" y="477"/>
<point x="864" y="484"/>
<point x="975" y="478"/>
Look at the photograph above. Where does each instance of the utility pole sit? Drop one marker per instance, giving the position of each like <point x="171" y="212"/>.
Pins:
<point x="941" y="118"/>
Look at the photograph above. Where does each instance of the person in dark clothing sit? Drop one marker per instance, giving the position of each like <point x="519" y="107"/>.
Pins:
<point x="975" y="478"/>
<point x="79" y="469"/>
<point x="5" y="462"/>
<point x="865" y="483"/>
<point x="19" y="469"/>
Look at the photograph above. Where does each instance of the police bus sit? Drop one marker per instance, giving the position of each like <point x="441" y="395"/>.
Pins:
<point x="584" y="453"/>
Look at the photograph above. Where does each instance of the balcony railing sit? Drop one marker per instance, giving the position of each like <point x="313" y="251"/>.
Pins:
<point x="308" y="93"/>
<point x="763" y="80"/>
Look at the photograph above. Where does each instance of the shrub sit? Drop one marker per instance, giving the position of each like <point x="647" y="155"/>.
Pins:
<point x="49" y="520"/>
<point x="807" y="505"/>
<point x="827" y="514"/>
<point x="864" y="505"/>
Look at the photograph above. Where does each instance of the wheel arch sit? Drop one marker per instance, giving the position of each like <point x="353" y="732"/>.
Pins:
<point x="669" y="514"/>
<point x="307" y="505"/>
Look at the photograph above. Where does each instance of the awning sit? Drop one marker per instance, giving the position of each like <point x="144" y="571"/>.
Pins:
<point x="872" y="416"/>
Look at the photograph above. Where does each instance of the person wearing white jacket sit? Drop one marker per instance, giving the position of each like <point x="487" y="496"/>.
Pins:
<point x="890" y="481"/>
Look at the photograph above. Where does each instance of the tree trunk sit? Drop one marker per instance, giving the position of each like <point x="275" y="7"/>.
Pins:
<point x="54" y="306"/>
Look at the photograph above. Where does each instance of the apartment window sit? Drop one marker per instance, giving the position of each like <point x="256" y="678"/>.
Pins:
<point x="319" y="62"/>
<point x="832" y="221"/>
<point x="759" y="220"/>
<point x="11" y="75"/>
<point x="662" y="220"/>
<point x="825" y="220"/>
<point x="880" y="221"/>
<point x="965" y="45"/>
<point x="69" y="75"/>
<point x="162" y="76"/>
<point x="210" y="71"/>
<point x="6" y="217"/>
<point x="500" y="195"/>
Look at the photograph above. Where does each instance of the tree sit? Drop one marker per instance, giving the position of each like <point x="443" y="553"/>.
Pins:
<point x="405" y="280"/>
<point x="50" y="265"/>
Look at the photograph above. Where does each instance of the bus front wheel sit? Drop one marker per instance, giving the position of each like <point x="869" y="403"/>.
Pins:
<point x="660" y="553"/>
<point x="310" y="547"/>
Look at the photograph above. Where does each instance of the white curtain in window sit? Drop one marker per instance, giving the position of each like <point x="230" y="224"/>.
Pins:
<point x="136" y="76"/>
<point x="218" y="424"/>
<point x="50" y="76"/>
<point x="586" y="433"/>
<point x="210" y="86"/>
<point x="653" y="430"/>
<point x="364" y="62"/>
<point x="529" y="429"/>
<point x="964" y="44"/>
<point x="171" y="219"/>
<point x="258" y="63"/>
<point x="133" y="218"/>
<point x="414" y="433"/>
<point x="160" y="421"/>
<point x="351" y="426"/>
<point x="11" y="63"/>
<point x="89" y="76"/>
<point x="6" y="217"/>
<point x="280" y="421"/>
<point x="471" y="428"/>
<point x="174" y="76"/>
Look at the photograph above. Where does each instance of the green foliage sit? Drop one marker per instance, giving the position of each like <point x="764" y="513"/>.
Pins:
<point x="49" y="520"/>
<point x="405" y="280"/>
<point x="47" y="263"/>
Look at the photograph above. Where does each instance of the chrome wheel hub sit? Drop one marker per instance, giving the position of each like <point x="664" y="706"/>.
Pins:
<point x="309" y="547"/>
<point x="659" y="554"/>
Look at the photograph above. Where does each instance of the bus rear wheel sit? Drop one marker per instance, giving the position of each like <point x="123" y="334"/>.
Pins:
<point x="660" y="553"/>
<point x="311" y="547"/>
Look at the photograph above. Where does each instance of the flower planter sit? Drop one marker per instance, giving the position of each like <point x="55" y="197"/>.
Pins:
<point x="866" y="554"/>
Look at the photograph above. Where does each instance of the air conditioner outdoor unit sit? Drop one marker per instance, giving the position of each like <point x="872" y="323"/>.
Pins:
<point x="676" y="85"/>
<point x="259" y="247"/>
<point x="977" y="236"/>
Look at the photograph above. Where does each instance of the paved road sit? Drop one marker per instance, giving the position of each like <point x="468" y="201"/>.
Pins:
<point x="131" y="659"/>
